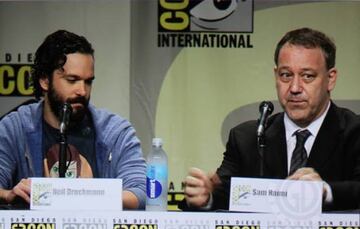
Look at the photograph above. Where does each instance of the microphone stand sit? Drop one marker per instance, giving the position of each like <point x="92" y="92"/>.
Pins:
<point x="62" y="155"/>
<point x="65" y="115"/>
<point x="265" y="108"/>
<point x="261" y="149"/>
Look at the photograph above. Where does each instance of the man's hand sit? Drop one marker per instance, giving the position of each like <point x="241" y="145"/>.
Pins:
<point x="22" y="190"/>
<point x="198" y="187"/>
<point x="308" y="174"/>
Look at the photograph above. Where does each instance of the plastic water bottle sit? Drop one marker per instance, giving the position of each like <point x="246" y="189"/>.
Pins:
<point x="156" y="178"/>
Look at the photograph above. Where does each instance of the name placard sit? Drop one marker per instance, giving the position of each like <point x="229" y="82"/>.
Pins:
<point x="78" y="194"/>
<point x="293" y="198"/>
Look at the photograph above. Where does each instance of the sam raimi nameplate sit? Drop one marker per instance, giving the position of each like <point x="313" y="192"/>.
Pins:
<point x="76" y="194"/>
<point x="276" y="196"/>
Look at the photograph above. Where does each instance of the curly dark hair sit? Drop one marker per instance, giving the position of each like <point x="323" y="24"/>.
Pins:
<point x="51" y="55"/>
<point x="309" y="38"/>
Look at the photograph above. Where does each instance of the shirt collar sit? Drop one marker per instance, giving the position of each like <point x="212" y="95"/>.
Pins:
<point x="291" y="127"/>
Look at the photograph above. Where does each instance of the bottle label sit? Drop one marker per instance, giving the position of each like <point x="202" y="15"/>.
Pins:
<point x="153" y="189"/>
<point x="155" y="180"/>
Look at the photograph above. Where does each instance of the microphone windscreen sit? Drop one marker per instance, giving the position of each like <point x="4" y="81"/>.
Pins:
<point x="269" y="106"/>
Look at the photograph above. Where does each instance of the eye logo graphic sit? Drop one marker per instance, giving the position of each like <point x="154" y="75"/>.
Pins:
<point x="41" y="195"/>
<point x="205" y="16"/>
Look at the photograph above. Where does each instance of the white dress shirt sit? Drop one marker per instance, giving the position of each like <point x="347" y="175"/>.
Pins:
<point x="314" y="127"/>
<point x="291" y="128"/>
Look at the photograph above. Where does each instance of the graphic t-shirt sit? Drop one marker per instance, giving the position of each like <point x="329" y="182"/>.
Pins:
<point x="81" y="157"/>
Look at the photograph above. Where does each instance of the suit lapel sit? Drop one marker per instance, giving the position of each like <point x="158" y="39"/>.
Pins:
<point x="326" y="140"/>
<point x="275" y="155"/>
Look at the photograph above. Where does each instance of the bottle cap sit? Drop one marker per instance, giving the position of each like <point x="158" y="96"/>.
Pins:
<point x="157" y="142"/>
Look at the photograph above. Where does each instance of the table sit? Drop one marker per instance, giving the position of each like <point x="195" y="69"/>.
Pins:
<point x="30" y="219"/>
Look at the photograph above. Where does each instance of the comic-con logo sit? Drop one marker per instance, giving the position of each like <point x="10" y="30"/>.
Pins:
<point x="240" y="193"/>
<point x="84" y="226"/>
<point x="205" y="15"/>
<point x="339" y="227"/>
<point x="15" y="77"/>
<point x="33" y="226"/>
<point x="42" y="195"/>
<point x="135" y="226"/>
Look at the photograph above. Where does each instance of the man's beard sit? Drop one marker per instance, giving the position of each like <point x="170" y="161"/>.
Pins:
<point x="56" y="105"/>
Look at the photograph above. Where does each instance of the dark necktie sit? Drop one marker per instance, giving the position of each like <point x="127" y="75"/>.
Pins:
<point x="299" y="156"/>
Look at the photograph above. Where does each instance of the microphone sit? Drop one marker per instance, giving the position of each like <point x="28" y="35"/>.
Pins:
<point x="65" y="114"/>
<point x="265" y="108"/>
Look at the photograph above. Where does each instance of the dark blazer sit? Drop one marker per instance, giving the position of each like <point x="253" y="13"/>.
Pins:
<point x="335" y="155"/>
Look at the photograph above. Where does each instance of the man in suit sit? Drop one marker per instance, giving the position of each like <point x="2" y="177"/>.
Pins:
<point x="305" y="74"/>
